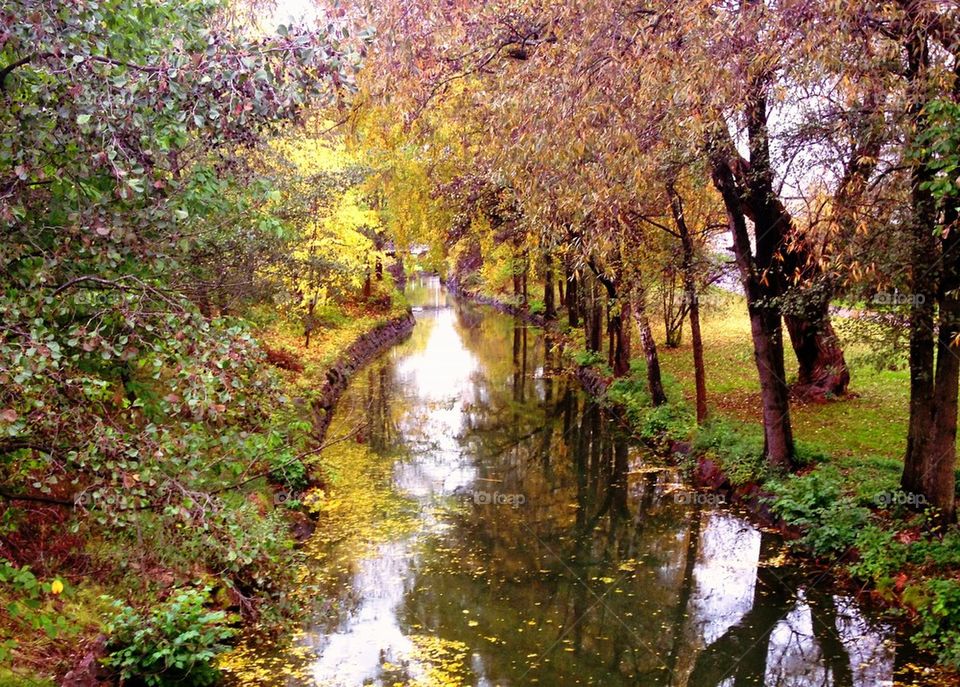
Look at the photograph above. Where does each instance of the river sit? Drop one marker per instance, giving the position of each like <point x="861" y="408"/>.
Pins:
<point x="542" y="547"/>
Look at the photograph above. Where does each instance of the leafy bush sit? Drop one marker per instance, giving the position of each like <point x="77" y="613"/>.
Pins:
<point x="27" y="601"/>
<point x="815" y="503"/>
<point x="287" y="470"/>
<point x="737" y="450"/>
<point x="536" y="306"/>
<point x="174" y="644"/>
<point x="881" y="555"/>
<point x="938" y="605"/>
<point x="587" y="358"/>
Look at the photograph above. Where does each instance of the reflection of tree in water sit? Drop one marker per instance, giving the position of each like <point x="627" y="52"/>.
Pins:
<point x="595" y="577"/>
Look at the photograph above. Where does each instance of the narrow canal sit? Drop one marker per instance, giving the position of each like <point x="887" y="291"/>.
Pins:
<point x="521" y="539"/>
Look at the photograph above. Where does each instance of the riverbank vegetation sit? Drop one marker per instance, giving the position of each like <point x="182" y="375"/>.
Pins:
<point x="743" y="216"/>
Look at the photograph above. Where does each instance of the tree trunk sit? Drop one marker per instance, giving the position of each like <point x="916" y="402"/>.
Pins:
<point x="765" y="326"/>
<point x="924" y="259"/>
<point x="561" y="295"/>
<point x="592" y="317"/>
<point x="822" y="370"/>
<point x="573" y="299"/>
<point x="690" y="295"/>
<point x="549" y="304"/>
<point x="654" y="379"/>
<point x="620" y="329"/>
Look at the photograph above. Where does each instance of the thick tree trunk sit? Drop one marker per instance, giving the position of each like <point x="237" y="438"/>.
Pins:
<point x="924" y="259"/>
<point x="939" y="483"/>
<point x="690" y="294"/>
<point x="822" y="370"/>
<point x="765" y="325"/>
<point x="620" y="329"/>
<point x="549" y="303"/>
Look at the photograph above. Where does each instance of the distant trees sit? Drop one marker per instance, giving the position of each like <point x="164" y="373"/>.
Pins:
<point x="818" y="128"/>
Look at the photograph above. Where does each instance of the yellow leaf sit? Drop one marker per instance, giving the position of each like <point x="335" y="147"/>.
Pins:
<point x="56" y="587"/>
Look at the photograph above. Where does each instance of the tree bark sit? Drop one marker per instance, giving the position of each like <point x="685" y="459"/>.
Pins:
<point x="690" y="294"/>
<point x="761" y="284"/>
<point x="620" y="328"/>
<point x="654" y="379"/>
<point x="573" y="299"/>
<point x="549" y="303"/>
<point x="924" y="287"/>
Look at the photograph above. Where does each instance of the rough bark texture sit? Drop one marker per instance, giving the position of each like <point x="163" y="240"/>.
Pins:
<point x="822" y="369"/>
<point x="758" y="274"/>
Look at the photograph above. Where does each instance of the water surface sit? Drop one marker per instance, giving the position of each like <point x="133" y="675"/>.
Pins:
<point x="546" y="549"/>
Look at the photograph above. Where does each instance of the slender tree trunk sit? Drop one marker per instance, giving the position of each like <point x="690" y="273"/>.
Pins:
<point x="549" y="304"/>
<point x="561" y="295"/>
<point x="573" y="299"/>
<point x="654" y="378"/>
<point x="690" y="295"/>
<point x="620" y="330"/>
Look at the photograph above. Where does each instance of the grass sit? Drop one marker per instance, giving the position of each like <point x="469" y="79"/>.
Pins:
<point x="863" y="434"/>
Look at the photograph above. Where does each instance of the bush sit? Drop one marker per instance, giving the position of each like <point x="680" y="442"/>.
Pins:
<point x="938" y="605"/>
<point x="815" y="503"/>
<point x="737" y="450"/>
<point x="174" y="644"/>
<point x="587" y="358"/>
<point x="881" y="556"/>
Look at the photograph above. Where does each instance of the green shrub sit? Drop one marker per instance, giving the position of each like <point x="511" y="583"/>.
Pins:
<point x="174" y="644"/>
<point x="881" y="555"/>
<point x="816" y="504"/>
<point x="938" y="605"/>
<point x="289" y="471"/>
<point x="536" y="306"/>
<point x="737" y="450"/>
<point x="587" y="358"/>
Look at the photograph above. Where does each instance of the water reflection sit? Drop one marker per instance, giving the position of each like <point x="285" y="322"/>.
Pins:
<point x="551" y="551"/>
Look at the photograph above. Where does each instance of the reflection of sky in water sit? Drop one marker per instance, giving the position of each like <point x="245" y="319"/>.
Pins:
<point x="372" y="634"/>
<point x="724" y="574"/>
<point x="795" y="659"/>
<point x="434" y="382"/>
